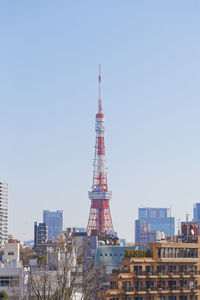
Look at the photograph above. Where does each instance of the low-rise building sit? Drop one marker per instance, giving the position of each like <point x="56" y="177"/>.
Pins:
<point x="166" y="271"/>
<point x="110" y="257"/>
<point x="12" y="279"/>
<point x="12" y="271"/>
<point x="11" y="252"/>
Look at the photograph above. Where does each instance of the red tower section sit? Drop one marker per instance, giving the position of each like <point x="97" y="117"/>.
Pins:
<point x="100" y="216"/>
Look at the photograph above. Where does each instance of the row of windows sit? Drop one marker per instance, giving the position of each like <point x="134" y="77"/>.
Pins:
<point x="166" y="269"/>
<point x="170" y="297"/>
<point x="160" y="283"/>
<point x="9" y="281"/>
<point x="177" y="252"/>
<point x="111" y="254"/>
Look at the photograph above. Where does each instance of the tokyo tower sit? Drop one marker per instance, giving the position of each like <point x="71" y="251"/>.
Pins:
<point x="100" y="215"/>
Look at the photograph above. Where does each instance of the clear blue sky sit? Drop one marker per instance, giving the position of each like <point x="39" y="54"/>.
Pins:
<point x="49" y="56"/>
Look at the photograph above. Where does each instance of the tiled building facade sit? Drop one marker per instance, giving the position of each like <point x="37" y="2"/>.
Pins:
<point x="171" y="273"/>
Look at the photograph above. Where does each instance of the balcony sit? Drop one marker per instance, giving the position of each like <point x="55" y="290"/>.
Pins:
<point x="168" y="274"/>
<point x="155" y="289"/>
<point x="125" y="271"/>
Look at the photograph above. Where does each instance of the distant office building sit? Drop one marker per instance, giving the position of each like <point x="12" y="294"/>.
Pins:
<point x="147" y="236"/>
<point x="29" y="243"/>
<point x="76" y="229"/>
<point x="40" y="233"/>
<point x="190" y="228"/>
<point x="54" y="221"/>
<point x="196" y="212"/>
<point x="3" y="212"/>
<point x="155" y="219"/>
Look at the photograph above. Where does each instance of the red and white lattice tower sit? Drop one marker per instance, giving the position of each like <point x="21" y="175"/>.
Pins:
<point x="100" y="216"/>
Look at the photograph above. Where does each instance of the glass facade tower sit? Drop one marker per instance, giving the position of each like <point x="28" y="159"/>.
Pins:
<point x="54" y="222"/>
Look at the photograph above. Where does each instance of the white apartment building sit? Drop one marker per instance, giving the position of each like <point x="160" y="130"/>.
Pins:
<point x="3" y="212"/>
<point x="11" y="252"/>
<point x="12" y="278"/>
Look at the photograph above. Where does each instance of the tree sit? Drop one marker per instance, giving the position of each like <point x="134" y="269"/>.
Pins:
<point x="94" y="278"/>
<point x="70" y="274"/>
<point x="3" y="294"/>
<point x="26" y="253"/>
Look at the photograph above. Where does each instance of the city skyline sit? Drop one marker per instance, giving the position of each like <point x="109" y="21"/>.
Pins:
<point x="50" y="54"/>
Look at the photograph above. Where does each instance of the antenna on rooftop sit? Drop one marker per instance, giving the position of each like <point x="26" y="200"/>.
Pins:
<point x="170" y="215"/>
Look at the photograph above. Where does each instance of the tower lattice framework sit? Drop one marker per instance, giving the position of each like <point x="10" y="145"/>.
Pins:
<point x="100" y="215"/>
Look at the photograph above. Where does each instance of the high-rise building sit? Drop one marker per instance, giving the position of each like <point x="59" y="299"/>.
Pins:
<point x="3" y="212"/>
<point x="196" y="211"/>
<point x="40" y="233"/>
<point x="155" y="219"/>
<point x="54" y="221"/>
<point x="100" y="215"/>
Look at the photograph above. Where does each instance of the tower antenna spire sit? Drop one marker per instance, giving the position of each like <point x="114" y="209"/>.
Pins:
<point x="100" y="104"/>
<point x="100" y="215"/>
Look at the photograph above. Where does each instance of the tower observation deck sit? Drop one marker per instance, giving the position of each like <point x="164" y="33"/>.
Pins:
<point x="100" y="215"/>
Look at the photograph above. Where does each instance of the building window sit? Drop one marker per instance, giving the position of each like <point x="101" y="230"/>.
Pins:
<point x="172" y="269"/>
<point x="161" y="284"/>
<point x="138" y="285"/>
<point x="113" y="285"/>
<point x="126" y="285"/>
<point x="172" y="284"/>
<point x="149" y="269"/>
<point x="193" y="297"/>
<point x="161" y="269"/>
<point x="171" y="297"/>
<point x="183" y="297"/>
<point x="138" y="270"/>
<point x="149" y="285"/>
<point x="183" y="269"/>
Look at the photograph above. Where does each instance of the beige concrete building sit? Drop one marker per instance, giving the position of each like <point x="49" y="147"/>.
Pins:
<point x="169" y="270"/>
<point x="11" y="252"/>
